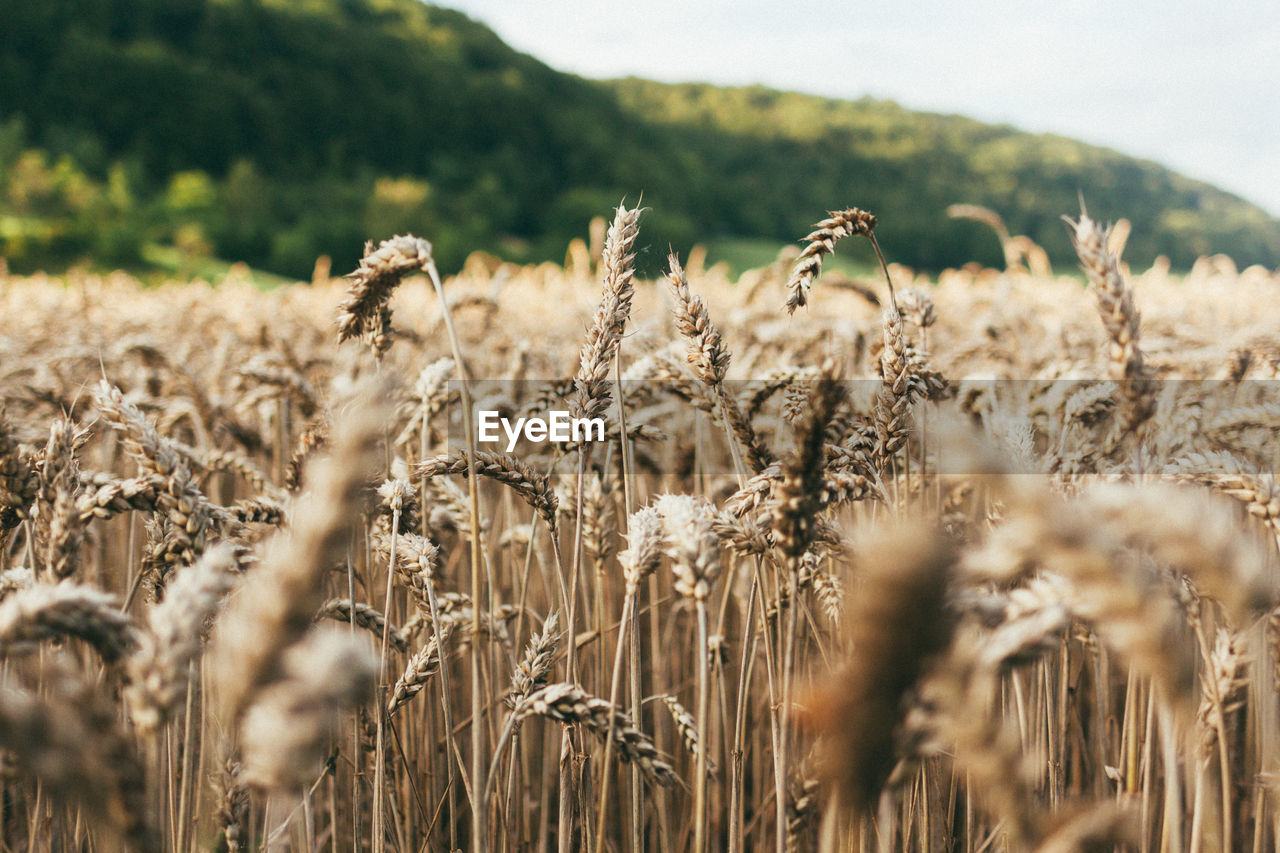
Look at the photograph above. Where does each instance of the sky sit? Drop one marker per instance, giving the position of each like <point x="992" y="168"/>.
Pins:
<point x="1192" y="85"/>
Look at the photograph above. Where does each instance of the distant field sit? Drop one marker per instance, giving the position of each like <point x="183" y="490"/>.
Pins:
<point x="171" y="261"/>
<point x="742" y="254"/>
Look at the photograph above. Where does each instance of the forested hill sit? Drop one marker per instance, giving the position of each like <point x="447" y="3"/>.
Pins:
<point x="789" y="151"/>
<point x="273" y="131"/>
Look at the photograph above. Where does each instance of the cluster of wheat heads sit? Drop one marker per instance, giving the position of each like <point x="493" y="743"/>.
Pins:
<point x="981" y="563"/>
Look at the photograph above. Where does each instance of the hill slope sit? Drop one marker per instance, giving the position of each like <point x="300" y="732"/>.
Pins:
<point x="276" y="130"/>
<point x="908" y="167"/>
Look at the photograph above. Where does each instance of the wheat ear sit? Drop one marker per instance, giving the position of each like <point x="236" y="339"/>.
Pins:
<point x="286" y="731"/>
<point x="822" y="242"/>
<point x="161" y="667"/>
<point x="366" y="309"/>
<point x="44" y="612"/>
<point x="591" y="382"/>
<point x="277" y="603"/>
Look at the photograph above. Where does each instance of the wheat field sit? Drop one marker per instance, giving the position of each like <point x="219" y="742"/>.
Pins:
<point x="981" y="562"/>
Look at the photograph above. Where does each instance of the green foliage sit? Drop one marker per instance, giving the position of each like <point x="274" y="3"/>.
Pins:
<point x="274" y="131"/>
<point x="908" y="167"/>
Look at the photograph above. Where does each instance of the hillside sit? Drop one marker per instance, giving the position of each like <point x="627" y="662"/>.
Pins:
<point x="273" y="131"/>
<point x="909" y="166"/>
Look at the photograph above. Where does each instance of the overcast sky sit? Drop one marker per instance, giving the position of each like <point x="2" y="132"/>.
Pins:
<point x="1193" y="85"/>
